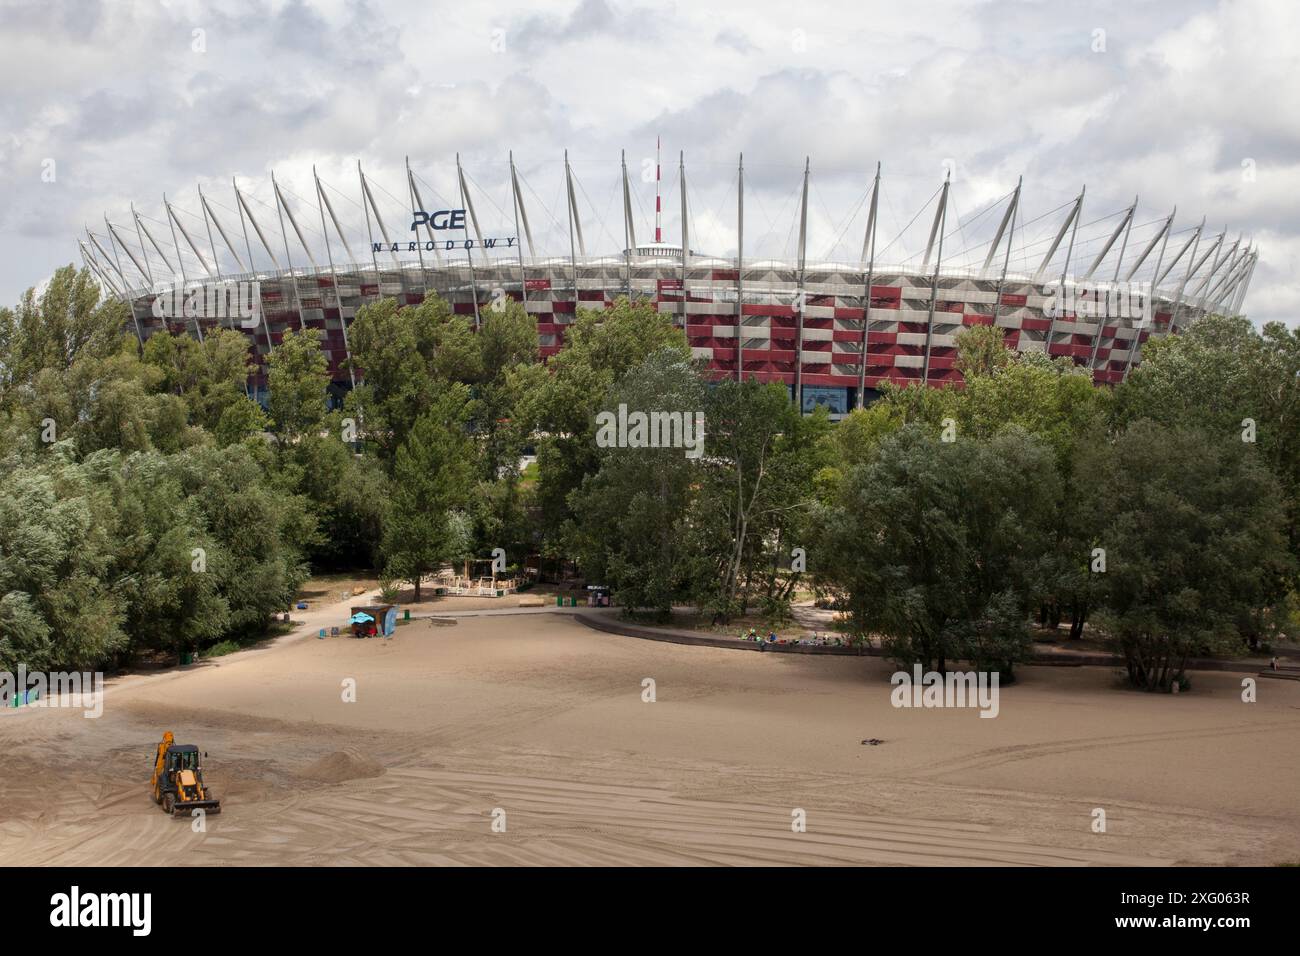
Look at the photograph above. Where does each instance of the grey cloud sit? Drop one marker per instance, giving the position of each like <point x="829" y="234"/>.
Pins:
<point x="1182" y="94"/>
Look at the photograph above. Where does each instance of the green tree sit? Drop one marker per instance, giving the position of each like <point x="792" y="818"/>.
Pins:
<point x="52" y="331"/>
<point x="58" y="603"/>
<point x="210" y="376"/>
<point x="297" y="376"/>
<point x="631" y="524"/>
<point x="981" y="351"/>
<point x="1057" y="403"/>
<point x="1192" y="528"/>
<point x="432" y="476"/>
<point x="1225" y="377"/>
<point x="600" y="348"/>
<point x="933" y="546"/>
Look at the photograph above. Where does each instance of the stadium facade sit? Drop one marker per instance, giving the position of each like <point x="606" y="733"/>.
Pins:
<point x="832" y="331"/>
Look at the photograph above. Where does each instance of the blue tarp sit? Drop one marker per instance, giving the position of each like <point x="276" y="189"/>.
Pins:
<point x="361" y="617"/>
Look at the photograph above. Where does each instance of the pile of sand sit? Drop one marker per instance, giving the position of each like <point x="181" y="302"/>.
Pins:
<point x="343" y="765"/>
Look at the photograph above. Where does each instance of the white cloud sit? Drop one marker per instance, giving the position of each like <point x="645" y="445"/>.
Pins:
<point x="127" y="107"/>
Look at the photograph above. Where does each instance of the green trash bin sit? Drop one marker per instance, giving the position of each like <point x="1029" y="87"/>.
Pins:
<point x="187" y="658"/>
<point x="559" y="600"/>
<point x="406" y="615"/>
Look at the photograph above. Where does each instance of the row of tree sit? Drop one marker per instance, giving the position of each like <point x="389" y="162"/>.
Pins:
<point x="149" y="501"/>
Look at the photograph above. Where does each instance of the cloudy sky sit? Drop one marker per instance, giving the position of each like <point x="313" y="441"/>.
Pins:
<point x="1186" y="103"/>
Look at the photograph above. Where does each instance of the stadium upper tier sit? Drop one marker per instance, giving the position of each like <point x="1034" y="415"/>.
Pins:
<point x="811" y="324"/>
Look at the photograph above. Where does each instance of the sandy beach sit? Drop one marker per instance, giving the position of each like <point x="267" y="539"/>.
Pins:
<point x="538" y="722"/>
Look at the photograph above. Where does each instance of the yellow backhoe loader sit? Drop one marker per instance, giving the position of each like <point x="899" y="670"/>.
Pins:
<point x="178" y="780"/>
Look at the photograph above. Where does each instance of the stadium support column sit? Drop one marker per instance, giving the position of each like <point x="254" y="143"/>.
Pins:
<point x="1240" y="302"/>
<point x="171" y="221"/>
<point x="157" y="248"/>
<point x="573" y="215"/>
<point x="93" y="267"/>
<point x="869" y="256"/>
<point x="1152" y="301"/>
<point x="1123" y="225"/>
<point x="740" y="270"/>
<point x="108" y="264"/>
<point x="208" y="214"/>
<point x="1127" y="225"/>
<point x="419" y="246"/>
<point x="180" y="263"/>
<point x="367" y="197"/>
<point x="370" y="233"/>
<point x="246" y="216"/>
<point x="1075" y="215"/>
<point x="334" y="276"/>
<point x="1227" y="286"/>
<point x="1002" y="228"/>
<point x="1229" y="304"/>
<point x="288" y="211"/>
<point x="686" y="234"/>
<point x="1169" y="266"/>
<point x="1161" y="234"/>
<point x="105" y="280"/>
<point x="135" y="216"/>
<point x="115" y="240"/>
<point x="469" y="252"/>
<point x="629" y="232"/>
<point x="473" y="216"/>
<point x="338" y="230"/>
<point x="207" y="224"/>
<point x="417" y="202"/>
<point x="1191" y="267"/>
<point x="288" y="259"/>
<point x="189" y="240"/>
<point x="1229" y="262"/>
<point x="243" y="225"/>
<point x="1196" y="267"/>
<point x="801" y="298"/>
<point x="257" y="228"/>
<point x="1010" y="221"/>
<point x="1060" y="234"/>
<point x="940" y="221"/>
<point x="518" y="202"/>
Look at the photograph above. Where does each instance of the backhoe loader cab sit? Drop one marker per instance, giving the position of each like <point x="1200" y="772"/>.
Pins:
<point x="178" y="780"/>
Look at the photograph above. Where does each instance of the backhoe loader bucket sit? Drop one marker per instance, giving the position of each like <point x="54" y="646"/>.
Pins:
<point x="188" y="807"/>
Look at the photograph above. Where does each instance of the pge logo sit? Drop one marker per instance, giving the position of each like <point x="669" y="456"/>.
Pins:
<point x="440" y="219"/>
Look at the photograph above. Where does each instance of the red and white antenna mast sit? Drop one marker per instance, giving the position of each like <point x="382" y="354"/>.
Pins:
<point x="658" y="202"/>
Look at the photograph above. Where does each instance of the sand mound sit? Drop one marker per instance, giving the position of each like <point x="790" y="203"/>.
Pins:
<point x="343" y="765"/>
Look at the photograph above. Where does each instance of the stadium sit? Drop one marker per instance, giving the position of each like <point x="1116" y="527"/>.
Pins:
<point x="832" y="330"/>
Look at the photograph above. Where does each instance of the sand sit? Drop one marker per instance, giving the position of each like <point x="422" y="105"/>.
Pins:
<point x="343" y="765"/>
<point x="533" y="722"/>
